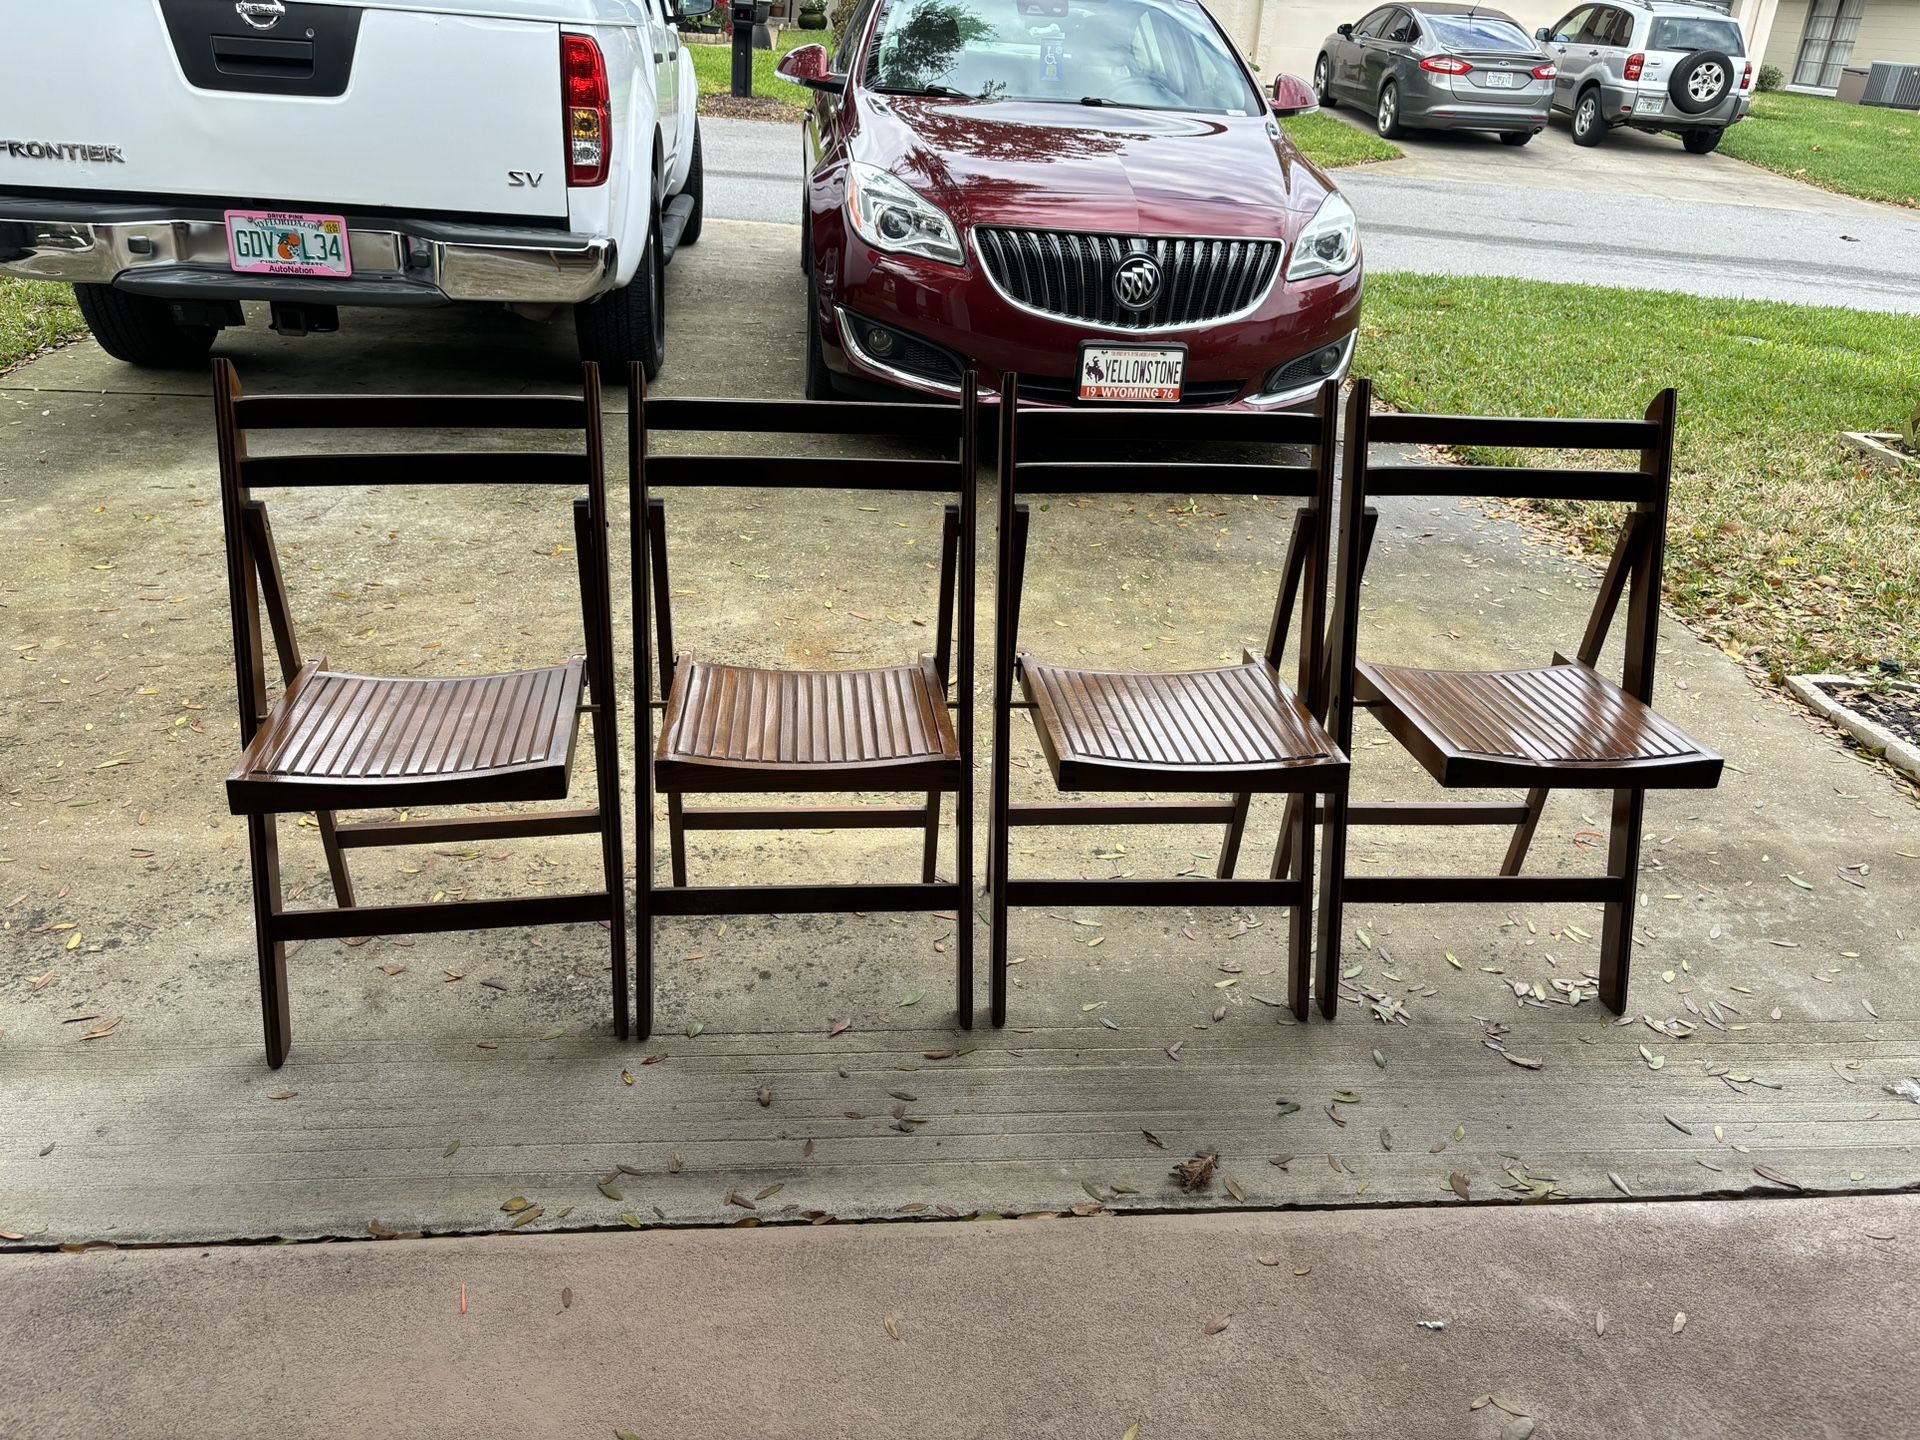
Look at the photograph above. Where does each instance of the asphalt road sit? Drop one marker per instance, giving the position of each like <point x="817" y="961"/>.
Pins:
<point x="1637" y="212"/>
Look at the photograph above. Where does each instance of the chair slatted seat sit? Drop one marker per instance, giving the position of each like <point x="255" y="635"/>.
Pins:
<point x="729" y="726"/>
<point x="1238" y="728"/>
<point x="349" y="742"/>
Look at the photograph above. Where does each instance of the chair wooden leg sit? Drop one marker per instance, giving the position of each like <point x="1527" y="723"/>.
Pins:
<point x="1523" y="833"/>
<point x="1333" y="869"/>
<point x="1299" y="840"/>
<point x="1616" y="925"/>
<point x="1283" y="848"/>
<point x="1236" y="831"/>
<point x="263" y="857"/>
<point x="615" y="869"/>
<point x="930" y="856"/>
<point x="998" y="857"/>
<point x="964" y="923"/>
<point x="677" y="839"/>
<point x="336" y="859"/>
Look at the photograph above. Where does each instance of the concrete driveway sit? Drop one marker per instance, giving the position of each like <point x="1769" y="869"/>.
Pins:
<point x="1637" y="211"/>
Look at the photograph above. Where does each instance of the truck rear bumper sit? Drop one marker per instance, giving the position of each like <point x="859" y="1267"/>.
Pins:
<point x="180" y="253"/>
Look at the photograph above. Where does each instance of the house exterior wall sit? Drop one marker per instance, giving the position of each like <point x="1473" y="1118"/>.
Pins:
<point x="1889" y="30"/>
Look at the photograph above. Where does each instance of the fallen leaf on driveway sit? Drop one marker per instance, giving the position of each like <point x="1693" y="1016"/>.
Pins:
<point x="1679" y="1321"/>
<point x="1217" y="1324"/>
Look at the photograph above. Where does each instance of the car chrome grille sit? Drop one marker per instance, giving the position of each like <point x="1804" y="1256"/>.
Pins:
<point x="1071" y="274"/>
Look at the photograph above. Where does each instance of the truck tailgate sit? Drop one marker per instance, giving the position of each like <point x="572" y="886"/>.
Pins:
<point x="330" y="106"/>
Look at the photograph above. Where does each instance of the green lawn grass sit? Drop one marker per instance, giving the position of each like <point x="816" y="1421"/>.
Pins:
<point x="1854" y="149"/>
<point x="1332" y="143"/>
<point x="33" y="316"/>
<point x="1785" y="546"/>
<point x="714" y="65"/>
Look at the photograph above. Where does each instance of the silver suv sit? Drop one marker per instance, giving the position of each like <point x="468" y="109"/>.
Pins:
<point x="1657" y="65"/>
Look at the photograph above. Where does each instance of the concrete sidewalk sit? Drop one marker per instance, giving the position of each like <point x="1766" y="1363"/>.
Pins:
<point x="1798" y="1323"/>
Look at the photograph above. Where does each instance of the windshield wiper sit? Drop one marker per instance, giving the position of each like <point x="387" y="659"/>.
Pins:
<point x="1095" y="100"/>
<point x="943" y="92"/>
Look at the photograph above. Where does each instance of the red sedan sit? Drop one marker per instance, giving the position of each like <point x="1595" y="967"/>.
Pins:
<point x="1093" y="193"/>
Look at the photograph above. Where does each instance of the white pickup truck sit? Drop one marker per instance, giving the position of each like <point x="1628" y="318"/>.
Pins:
<point x="173" y="158"/>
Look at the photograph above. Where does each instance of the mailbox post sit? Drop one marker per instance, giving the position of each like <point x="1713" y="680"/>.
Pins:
<point x="747" y="15"/>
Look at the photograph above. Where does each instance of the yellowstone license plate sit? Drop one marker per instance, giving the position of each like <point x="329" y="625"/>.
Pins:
<point x="1133" y="374"/>
<point x="281" y="243"/>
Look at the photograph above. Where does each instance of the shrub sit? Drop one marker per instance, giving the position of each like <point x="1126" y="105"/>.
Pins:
<point x="1769" y="78"/>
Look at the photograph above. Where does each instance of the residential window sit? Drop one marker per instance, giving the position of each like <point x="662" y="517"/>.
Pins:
<point x="1827" y="43"/>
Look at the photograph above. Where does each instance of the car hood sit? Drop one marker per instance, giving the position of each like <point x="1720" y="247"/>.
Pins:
<point x="1059" y="166"/>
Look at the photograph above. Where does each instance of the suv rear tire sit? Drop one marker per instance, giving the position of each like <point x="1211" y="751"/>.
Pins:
<point x="1589" y="127"/>
<point x="1386" y="117"/>
<point x="141" y="331"/>
<point x="628" y="324"/>
<point x="1701" y="141"/>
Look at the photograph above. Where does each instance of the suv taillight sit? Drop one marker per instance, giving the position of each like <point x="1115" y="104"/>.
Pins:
<point x="583" y="93"/>
<point x="1635" y="64"/>
<point x="1747" y="79"/>
<point x="1445" y="65"/>
<point x="1546" y="72"/>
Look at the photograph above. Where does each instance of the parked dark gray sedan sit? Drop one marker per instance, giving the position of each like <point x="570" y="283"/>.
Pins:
<point x="1439" y="67"/>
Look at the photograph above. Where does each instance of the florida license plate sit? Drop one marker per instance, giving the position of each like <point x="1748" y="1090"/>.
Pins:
<point x="1500" y="79"/>
<point x="1133" y="374"/>
<point x="1648" y="105"/>
<point x="275" y="242"/>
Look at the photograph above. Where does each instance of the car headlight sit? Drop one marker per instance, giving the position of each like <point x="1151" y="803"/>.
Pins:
<point x="889" y="216"/>
<point x="1330" y="245"/>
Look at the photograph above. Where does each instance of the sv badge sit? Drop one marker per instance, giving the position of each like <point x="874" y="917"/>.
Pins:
<point x="525" y="179"/>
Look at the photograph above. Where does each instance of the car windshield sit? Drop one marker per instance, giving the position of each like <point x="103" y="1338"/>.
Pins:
<point x="1688" y="32"/>
<point x="1479" y="35"/>
<point x="1145" y="54"/>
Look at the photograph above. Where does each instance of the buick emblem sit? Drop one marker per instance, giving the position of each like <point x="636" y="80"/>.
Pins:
<point x="261" y="14"/>
<point x="1136" y="284"/>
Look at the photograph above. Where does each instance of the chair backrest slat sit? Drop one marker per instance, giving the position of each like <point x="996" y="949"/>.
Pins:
<point x="470" y="467"/>
<point x="1505" y="482"/>
<point x="1174" y="424"/>
<point x="1512" y="432"/>
<point x="802" y="472"/>
<point x="1147" y="477"/>
<point x="411" y="412"/>
<point x="799" y="417"/>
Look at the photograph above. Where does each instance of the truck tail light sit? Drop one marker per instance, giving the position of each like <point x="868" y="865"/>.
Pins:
<point x="1747" y="79"/>
<point x="1635" y="64"/>
<point x="1545" y="72"/>
<point x="1445" y="65"/>
<point x="583" y="93"/>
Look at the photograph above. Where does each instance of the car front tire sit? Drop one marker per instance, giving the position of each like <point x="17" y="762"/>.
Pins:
<point x="1386" y="117"/>
<point x="1322" y="90"/>
<point x="1701" y="141"/>
<point x="1589" y="128"/>
<point x="628" y="324"/>
<point x="141" y="331"/>
<point x="819" y="380"/>
<point x="696" y="187"/>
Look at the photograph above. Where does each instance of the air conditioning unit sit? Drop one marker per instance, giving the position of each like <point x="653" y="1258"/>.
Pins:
<point x="1893" y="87"/>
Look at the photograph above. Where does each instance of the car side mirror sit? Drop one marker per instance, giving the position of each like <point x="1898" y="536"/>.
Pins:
<point x="687" y="10"/>
<point x="1293" y="96"/>
<point x="1543" y="33"/>
<point x="1345" y="31"/>
<point x="810" y="65"/>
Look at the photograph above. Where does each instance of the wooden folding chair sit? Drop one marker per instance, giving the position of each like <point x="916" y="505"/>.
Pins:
<point x="739" y="729"/>
<point x="1236" y="731"/>
<point x="336" y="741"/>
<point x="1562" y="726"/>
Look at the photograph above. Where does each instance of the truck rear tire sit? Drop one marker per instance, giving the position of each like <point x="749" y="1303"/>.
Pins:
<point x="141" y="331"/>
<point x="628" y="324"/>
<point x="696" y="189"/>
